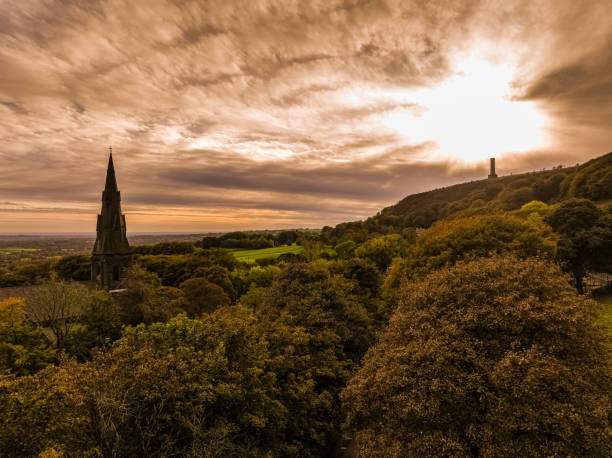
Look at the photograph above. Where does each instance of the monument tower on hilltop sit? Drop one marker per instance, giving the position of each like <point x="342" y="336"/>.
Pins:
<point x="111" y="254"/>
<point x="492" y="173"/>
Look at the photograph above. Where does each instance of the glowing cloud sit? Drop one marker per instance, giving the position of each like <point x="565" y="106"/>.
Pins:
<point x="472" y="115"/>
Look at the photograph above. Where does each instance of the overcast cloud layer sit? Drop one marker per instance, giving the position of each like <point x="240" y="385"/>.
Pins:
<point x="267" y="114"/>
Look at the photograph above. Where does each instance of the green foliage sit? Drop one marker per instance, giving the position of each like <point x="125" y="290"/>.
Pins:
<point x="535" y="210"/>
<point x="145" y="300"/>
<point x="220" y="276"/>
<point x="100" y="325"/>
<point x="172" y="269"/>
<point x="318" y="332"/>
<point x="43" y="411"/>
<point x="306" y="295"/>
<point x="74" y="268"/>
<point x="256" y="277"/>
<point x="254" y="297"/>
<point x="255" y="240"/>
<point x="24" y="349"/>
<point x="175" y="269"/>
<point x="26" y="273"/>
<point x="263" y="276"/>
<point x="10" y="278"/>
<point x="573" y="216"/>
<point x="345" y="249"/>
<point x="365" y="273"/>
<point x="381" y="250"/>
<point x="496" y="357"/>
<point x="314" y="249"/>
<point x="168" y="248"/>
<point x="187" y="388"/>
<point x="447" y="242"/>
<point x="246" y="240"/>
<point x="463" y="238"/>
<point x="202" y="296"/>
<point x="592" y="181"/>
<point x="585" y="238"/>
<point x="286" y="237"/>
<point x="291" y="258"/>
<point x="548" y="189"/>
<point x="511" y="199"/>
<point x="181" y="388"/>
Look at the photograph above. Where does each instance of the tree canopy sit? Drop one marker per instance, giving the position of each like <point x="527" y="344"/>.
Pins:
<point x="494" y="357"/>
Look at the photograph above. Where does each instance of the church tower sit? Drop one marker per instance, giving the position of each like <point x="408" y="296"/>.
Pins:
<point x="111" y="253"/>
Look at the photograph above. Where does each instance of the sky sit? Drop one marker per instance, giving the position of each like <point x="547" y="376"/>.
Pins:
<point x="260" y="114"/>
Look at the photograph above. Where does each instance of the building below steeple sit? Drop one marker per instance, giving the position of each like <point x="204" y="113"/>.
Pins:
<point x="111" y="255"/>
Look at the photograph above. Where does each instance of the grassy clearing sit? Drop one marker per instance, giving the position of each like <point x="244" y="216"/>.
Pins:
<point x="15" y="249"/>
<point x="251" y="256"/>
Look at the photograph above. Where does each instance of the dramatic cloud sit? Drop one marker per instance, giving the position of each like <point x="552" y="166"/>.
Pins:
<point x="265" y="114"/>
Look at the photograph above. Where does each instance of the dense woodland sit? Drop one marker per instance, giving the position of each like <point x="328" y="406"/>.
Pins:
<point x="454" y="323"/>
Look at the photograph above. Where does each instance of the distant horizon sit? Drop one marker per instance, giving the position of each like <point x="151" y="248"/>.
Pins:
<point x="92" y="234"/>
<point x="93" y="215"/>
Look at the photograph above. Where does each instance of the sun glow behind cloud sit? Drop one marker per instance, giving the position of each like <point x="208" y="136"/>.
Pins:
<point x="471" y="116"/>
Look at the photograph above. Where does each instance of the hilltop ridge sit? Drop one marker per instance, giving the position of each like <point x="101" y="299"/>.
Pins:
<point x="591" y="180"/>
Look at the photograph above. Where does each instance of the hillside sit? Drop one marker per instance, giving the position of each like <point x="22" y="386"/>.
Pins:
<point x="592" y="180"/>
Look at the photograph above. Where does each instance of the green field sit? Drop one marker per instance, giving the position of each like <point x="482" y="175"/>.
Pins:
<point x="251" y="255"/>
<point x="14" y="249"/>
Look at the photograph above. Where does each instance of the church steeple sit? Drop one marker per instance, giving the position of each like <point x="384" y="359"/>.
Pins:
<point x="111" y="252"/>
<point x="111" y="181"/>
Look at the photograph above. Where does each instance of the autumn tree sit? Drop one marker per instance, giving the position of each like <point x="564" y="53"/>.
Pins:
<point x="345" y="249"/>
<point x="202" y="296"/>
<point x="449" y="241"/>
<point x="45" y="411"/>
<point x="495" y="357"/>
<point x="317" y="331"/>
<point x="100" y="325"/>
<point x="145" y="300"/>
<point x="381" y="250"/>
<point x="181" y="388"/>
<point x="364" y="273"/>
<point x="186" y="388"/>
<point x="57" y="305"/>
<point x="219" y="276"/>
<point x="24" y="349"/>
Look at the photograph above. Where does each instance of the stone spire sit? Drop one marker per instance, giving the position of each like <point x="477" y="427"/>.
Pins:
<point x="111" y="253"/>
<point x="111" y="181"/>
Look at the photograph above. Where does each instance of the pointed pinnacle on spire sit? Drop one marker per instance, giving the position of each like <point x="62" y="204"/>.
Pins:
<point x="111" y="181"/>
